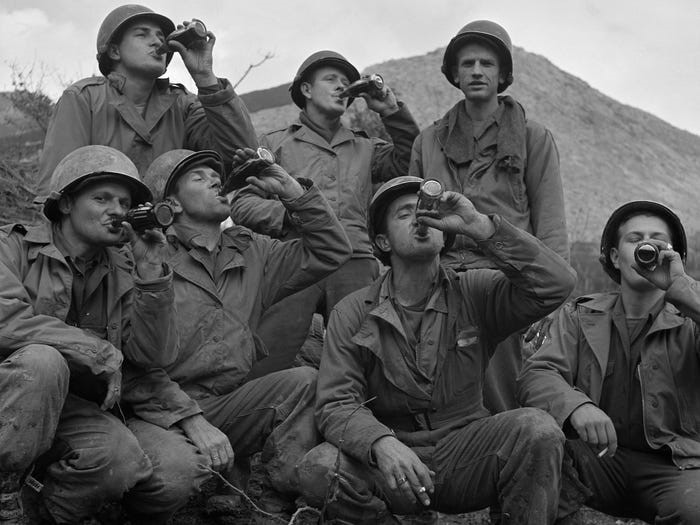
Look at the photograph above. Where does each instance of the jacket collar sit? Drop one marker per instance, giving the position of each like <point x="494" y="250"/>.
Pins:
<point x="306" y="134"/>
<point x="159" y="103"/>
<point x="596" y="322"/>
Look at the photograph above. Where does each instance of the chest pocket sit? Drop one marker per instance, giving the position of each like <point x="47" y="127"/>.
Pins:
<point x="464" y="364"/>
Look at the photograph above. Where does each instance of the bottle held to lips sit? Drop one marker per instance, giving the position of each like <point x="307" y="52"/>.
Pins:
<point x="193" y="32"/>
<point x="428" y="200"/>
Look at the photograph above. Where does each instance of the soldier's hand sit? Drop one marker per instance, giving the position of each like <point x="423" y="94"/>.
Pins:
<point x="211" y="442"/>
<point x="669" y="266"/>
<point x="114" y="388"/>
<point x="457" y="214"/>
<point x="594" y="427"/>
<point x="148" y="249"/>
<point x="384" y="102"/>
<point x="403" y="470"/>
<point x="273" y="179"/>
<point x="197" y="58"/>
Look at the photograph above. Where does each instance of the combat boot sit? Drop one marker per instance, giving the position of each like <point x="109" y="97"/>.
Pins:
<point x="11" y="510"/>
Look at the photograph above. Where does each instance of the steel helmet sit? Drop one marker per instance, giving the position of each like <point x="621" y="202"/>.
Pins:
<point x="609" y="238"/>
<point x="165" y="170"/>
<point x="93" y="163"/>
<point x="116" y="20"/>
<point x="494" y="35"/>
<point x="383" y="197"/>
<point x="315" y="61"/>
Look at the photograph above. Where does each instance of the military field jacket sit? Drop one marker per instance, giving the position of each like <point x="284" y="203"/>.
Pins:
<point x="35" y="296"/>
<point x="531" y="198"/>
<point x="364" y="357"/>
<point x="217" y="315"/>
<point x="95" y="111"/>
<point x="570" y="368"/>
<point x="343" y="170"/>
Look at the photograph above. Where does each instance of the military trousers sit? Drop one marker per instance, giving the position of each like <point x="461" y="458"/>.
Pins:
<point x="645" y="485"/>
<point x="89" y="457"/>
<point x="513" y="459"/>
<point x="272" y="414"/>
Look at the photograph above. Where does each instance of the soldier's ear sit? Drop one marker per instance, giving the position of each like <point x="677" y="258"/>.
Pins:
<point x="615" y="257"/>
<point x="381" y="241"/>
<point x="113" y="51"/>
<point x="65" y="204"/>
<point x="305" y="89"/>
<point x="174" y="204"/>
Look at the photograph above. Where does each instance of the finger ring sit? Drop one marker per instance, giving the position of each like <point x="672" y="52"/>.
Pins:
<point x="669" y="246"/>
<point x="402" y="480"/>
<point x="116" y="389"/>
<point x="422" y="490"/>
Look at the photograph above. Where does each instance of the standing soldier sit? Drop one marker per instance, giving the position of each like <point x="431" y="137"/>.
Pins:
<point x="486" y="149"/>
<point x="133" y="110"/>
<point x="73" y="305"/>
<point x="344" y="164"/>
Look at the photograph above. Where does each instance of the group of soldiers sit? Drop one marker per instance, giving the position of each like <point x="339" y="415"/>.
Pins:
<point x="135" y="364"/>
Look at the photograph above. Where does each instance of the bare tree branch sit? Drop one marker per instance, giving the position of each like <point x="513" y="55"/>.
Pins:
<point x="267" y="57"/>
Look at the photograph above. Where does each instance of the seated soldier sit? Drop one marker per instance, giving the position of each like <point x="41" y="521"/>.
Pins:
<point x="133" y="110"/>
<point x="202" y="404"/>
<point x="621" y="373"/>
<point x="71" y="301"/>
<point x="400" y="382"/>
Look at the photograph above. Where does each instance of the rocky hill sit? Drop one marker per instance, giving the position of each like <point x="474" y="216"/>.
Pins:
<point x="610" y="152"/>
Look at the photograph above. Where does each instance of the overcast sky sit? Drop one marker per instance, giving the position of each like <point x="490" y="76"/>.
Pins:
<point x="641" y="52"/>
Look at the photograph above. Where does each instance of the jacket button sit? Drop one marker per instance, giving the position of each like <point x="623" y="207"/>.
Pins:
<point x="499" y="245"/>
<point x="655" y="403"/>
<point x="216" y="338"/>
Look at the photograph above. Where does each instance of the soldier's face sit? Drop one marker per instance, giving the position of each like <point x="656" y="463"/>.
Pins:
<point x="88" y="215"/>
<point x="136" y="53"/>
<point x="402" y="236"/>
<point x="633" y="231"/>
<point x="477" y="72"/>
<point x="323" y="89"/>
<point x="197" y="194"/>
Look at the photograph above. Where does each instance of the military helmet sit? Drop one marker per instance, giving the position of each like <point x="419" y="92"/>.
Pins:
<point x="89" y="164"/>
<point x="116" y="20"/>
<point x="609" y="238"/>
<point x="164" y="171"/>
<point x="383" y="197"/>
<point x="486" y="31"/>
<point x="315" y="61"/>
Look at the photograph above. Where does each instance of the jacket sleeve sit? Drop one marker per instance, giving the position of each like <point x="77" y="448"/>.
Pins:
<point x="218" y="119"/>
<point x="149" y="332"/>
<point x="534" y="281"/>
<point x="342" y="388"/>
<point x="391" y="160"/>
<point x="415" y="167"/>
<point x="684" y="294"/>
<point x="262" y="213"/>
<point x="69" y="129"/>
<point x="548" y="376"/>
<point x="156" y="398"/>
<point x="544" y="190"/>
<point x="322" y="247"/>
<point x="21" y="326"/>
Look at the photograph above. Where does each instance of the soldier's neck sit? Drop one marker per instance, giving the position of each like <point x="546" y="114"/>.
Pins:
<point x="638" y="303"/>
<point x="479" y="111"/>
<point x="137" y="88"/>
<point x="413" y="281"/>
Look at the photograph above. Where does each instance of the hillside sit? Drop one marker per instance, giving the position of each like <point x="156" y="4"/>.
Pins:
<point x="610" y="153"/>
